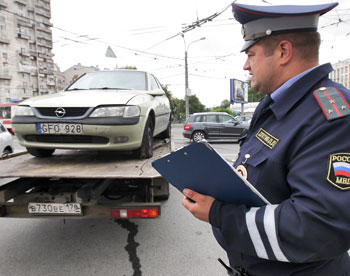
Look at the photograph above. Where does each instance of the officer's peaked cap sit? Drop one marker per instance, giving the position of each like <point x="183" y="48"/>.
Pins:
<point x="260" y="21"/>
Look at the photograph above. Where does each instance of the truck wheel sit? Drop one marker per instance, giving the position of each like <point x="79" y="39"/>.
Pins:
<point x="40" y="152"/>
<point x="198" y="136"/>
<point x="146" y="149"/>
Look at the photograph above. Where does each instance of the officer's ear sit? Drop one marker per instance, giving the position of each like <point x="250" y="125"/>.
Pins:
<point x="285" y="51"/>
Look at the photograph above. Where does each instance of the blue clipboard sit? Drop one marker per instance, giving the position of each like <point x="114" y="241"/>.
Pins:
<point x="201" y="168"/>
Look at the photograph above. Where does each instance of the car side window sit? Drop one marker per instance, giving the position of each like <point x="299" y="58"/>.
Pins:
<point x="2" y="128"/>
<point x="225" y="119"/>
<point x="211" y="118"/>
<point x="200" y="118"/>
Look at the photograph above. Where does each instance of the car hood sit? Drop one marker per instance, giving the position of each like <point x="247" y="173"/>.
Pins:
<point x="83" y="98"/>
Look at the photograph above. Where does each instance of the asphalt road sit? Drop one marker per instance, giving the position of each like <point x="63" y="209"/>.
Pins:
<point x="175" y="244"/>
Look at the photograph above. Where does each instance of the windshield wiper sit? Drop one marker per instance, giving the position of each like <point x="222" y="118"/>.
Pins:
<point x="109" y="88"/>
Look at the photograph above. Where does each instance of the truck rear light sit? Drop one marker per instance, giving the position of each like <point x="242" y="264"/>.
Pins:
<point x="187" y="127"/>
<point x="135" y="213"/>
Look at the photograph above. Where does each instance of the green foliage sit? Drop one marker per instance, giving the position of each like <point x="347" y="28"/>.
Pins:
<point x="167" y="91"/>
<point x="253" y="96"/>
<point x="195" y="105"/>
<point x="222" y="109"/>
<point x="225" y="104"/>
<point x="129" y="67"/>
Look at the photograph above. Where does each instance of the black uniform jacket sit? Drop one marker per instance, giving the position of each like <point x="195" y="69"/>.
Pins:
<point x="297" y="154"/>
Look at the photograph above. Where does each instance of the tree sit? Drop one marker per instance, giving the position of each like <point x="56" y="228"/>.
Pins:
<point x="129" y="67"/>
<point x="253" y="96"/>
<point x="167" y="91"/>
<point x="222" y="109"/>
<point x="225" y="104"/>
<point x="195" y="105"/>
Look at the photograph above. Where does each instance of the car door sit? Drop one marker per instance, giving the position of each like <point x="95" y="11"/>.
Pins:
<point x="229" y="127"/>
<point x="212" y="126"/>
<point x="161" y="106"/>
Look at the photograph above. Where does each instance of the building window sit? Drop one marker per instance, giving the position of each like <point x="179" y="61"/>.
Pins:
<point x="2" y="19"/>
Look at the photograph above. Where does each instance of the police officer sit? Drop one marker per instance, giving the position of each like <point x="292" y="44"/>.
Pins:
<point x="296" y="153"/>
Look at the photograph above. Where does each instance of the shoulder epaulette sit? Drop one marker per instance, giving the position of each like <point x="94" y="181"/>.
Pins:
<point x="332" y="102"/>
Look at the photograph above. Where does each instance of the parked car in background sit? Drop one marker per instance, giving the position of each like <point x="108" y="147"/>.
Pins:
<point x="103" y="110"/>
<point x="244" y="119"/>
<point x="213" y="125"/>
<point x="6" y="144"/>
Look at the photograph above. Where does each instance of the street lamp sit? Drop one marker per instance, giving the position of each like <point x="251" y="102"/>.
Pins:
<point x="187" y="90"/>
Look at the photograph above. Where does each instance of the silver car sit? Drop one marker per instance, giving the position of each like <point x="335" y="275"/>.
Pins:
<point x="104" y="110"/>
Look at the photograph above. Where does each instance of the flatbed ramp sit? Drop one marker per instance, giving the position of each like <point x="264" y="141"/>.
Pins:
<point x="84" y="164"/>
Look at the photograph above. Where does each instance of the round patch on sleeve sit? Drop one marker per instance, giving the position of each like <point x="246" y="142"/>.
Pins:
<point x="339" y="170"/>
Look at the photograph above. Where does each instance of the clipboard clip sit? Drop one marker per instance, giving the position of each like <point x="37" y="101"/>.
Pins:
<point x="205" y="142"/>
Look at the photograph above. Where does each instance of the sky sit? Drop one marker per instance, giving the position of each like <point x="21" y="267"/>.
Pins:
<point x="147" y="35"/>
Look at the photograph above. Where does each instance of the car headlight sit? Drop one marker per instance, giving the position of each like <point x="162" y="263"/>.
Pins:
<point x="24" y="111"/>
<point x="116" y="111"/>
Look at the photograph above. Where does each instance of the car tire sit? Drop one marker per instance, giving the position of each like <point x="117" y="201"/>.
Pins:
<point x="198" y="135"/>
<point x="146" y="149"/>
<point x="8" y="150"/>
<point x="166" y="133"/>
<point x="40" y="152"/>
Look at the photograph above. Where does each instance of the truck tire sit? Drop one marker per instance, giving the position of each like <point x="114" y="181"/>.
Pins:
<point x="146" y="149"/>
<point x="40" y="152"/>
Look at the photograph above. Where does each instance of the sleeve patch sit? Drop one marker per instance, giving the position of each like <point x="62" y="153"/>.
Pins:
<point x="332" y="102"/>
<point x="339" y="170"/>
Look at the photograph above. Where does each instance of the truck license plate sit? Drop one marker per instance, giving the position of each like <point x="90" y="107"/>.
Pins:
<point x="55" y="208"/>
<point x="55" y="128"/>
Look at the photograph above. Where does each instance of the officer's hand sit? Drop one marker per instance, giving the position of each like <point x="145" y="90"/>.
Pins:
<point x="201" y="207"/>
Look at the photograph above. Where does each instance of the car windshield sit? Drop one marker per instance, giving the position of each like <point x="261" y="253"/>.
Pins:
<point x="121" y="80"/>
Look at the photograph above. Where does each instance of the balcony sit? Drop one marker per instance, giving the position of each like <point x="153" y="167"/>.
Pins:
<point x="51" y="83"/>
<point x="23" y="68"/>
<point x="4" y="40"/>
<point x="24" y="3"/>
<point x="45" y="72"/>
<point x="24" y="53"/>
<point x="47" y="22"/>
<point x="23" y="36"/>
<point x="5" y="76"/>
<point x="23" y="22"/>
<point x="3" y="4"/>
<point x="43" y="13"/>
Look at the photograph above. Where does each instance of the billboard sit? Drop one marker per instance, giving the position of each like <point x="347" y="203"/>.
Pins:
<point x="238" y="91"/>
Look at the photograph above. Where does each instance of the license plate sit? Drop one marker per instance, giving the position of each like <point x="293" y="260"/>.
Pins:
<point x="55" y="208"/>
<point x="54" y="128"/>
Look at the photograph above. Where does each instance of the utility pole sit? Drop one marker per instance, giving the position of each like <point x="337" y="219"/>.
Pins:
<point x="187" y="89"/>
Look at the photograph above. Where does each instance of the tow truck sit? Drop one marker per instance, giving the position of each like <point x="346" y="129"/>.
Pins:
<point x="83" y="184"/>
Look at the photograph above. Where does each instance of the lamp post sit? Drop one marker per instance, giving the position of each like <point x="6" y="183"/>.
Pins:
<point x="187" y="105"/>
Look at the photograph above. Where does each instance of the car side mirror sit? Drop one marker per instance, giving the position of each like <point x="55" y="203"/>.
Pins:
<point x="156" y="93"/>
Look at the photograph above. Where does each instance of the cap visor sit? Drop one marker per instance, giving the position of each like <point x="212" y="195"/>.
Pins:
<point x="248" y="44"/>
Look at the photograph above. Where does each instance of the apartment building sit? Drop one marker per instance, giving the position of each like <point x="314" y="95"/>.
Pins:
<point x="341" y="72"/>
<point x="26" y="65"/>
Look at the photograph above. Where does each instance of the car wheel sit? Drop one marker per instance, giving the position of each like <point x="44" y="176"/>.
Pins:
<point x="146" y="149"/>
<point x="40" y="152"/>
<point x="7" y="151"/>
<point x="198" y="136"/>
<point x="166" y="133"/>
